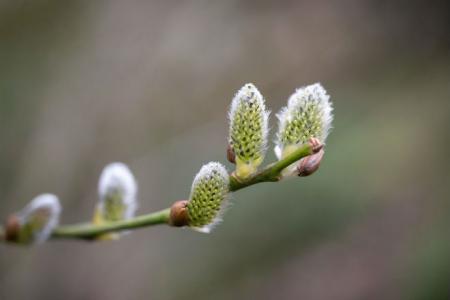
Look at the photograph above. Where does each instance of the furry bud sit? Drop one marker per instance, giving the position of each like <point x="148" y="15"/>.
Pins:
<point x="248" y="130"/>
<point x="117" y="189"/>
<point x="307" y="116"/>
<point x="208" y="197"/>
<point x="35" y="223"/>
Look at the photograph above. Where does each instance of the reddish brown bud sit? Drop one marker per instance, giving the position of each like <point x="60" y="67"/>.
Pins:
<point x="308" y="165"/>
<point x="12" y="228"/>
<point x="231" y="156"/>
<point x="316" y="145"/>
<point x="179" y="214"/>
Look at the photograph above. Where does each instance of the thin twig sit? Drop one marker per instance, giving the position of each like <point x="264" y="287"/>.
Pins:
<point x="89" y="231"/>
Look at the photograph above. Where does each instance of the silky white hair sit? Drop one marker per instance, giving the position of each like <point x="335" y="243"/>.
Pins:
<point x="314" y="93"/>
<point x="205" y="171"/>
<point x="45" y="201"/>
<point x="247" y="93"/>
<point x="117" y="177"/>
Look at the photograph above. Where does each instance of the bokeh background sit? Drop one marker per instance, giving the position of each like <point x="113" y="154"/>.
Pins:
<point x="85" y="83"/>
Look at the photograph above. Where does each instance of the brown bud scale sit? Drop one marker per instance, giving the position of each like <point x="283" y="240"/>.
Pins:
<point x="231" y="156"/>
<point x="179" y="214"/>
<point x="310" y="164"/>
<point x="316" y="145"/>
<point x="12" y="228"/>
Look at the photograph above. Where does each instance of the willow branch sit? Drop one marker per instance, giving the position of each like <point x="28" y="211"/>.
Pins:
<point x="272" y="172"/>
<point x="88" y="231"/>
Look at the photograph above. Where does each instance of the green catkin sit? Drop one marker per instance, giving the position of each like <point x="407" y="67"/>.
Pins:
<point x="307" y="115"/>
<point x="38" y="219"/>
<point x="248" y="130"/>
<point x="208" y="197"/>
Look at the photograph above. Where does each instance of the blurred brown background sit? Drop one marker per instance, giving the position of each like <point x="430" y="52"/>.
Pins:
<point x="85" y="83"/>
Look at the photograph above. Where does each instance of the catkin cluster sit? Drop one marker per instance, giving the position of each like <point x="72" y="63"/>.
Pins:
<point x="305" y="119"/>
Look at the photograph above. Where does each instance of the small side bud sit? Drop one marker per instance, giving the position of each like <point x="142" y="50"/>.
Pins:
<point x="230" y="154"/>
<point x="316" y="145"/>
<point x="178" y="214"/>
<point x="208" y="198"/>
<point x="35" y="223"/>
<point x="248" y="130"/>
<point x="12" y="229"/>
<point x="306" y="118"/>
<point x="310" y="164"/>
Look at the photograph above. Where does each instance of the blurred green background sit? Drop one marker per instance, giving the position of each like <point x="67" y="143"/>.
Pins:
<point x="85" y="83"/>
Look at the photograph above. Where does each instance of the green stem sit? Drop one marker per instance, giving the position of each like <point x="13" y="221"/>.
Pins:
<point x="91" y="231"/>
<point x="273" y="171"/>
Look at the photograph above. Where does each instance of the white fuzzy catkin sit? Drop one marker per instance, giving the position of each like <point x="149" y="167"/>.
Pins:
<point x="308" y="114"/>
<point x="248" y="131"/>
<point x="208" y="198"/>
<point x="49" y="203"/>
<point x="117" y="180"/>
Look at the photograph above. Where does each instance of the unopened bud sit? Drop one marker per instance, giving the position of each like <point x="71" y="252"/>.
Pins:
<point x="12" y="228"/>
<point x="178" y="214"/>
<point x="315" y="144"/>
<point x="308" y="165"/>
<point x="230" y="154"/>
